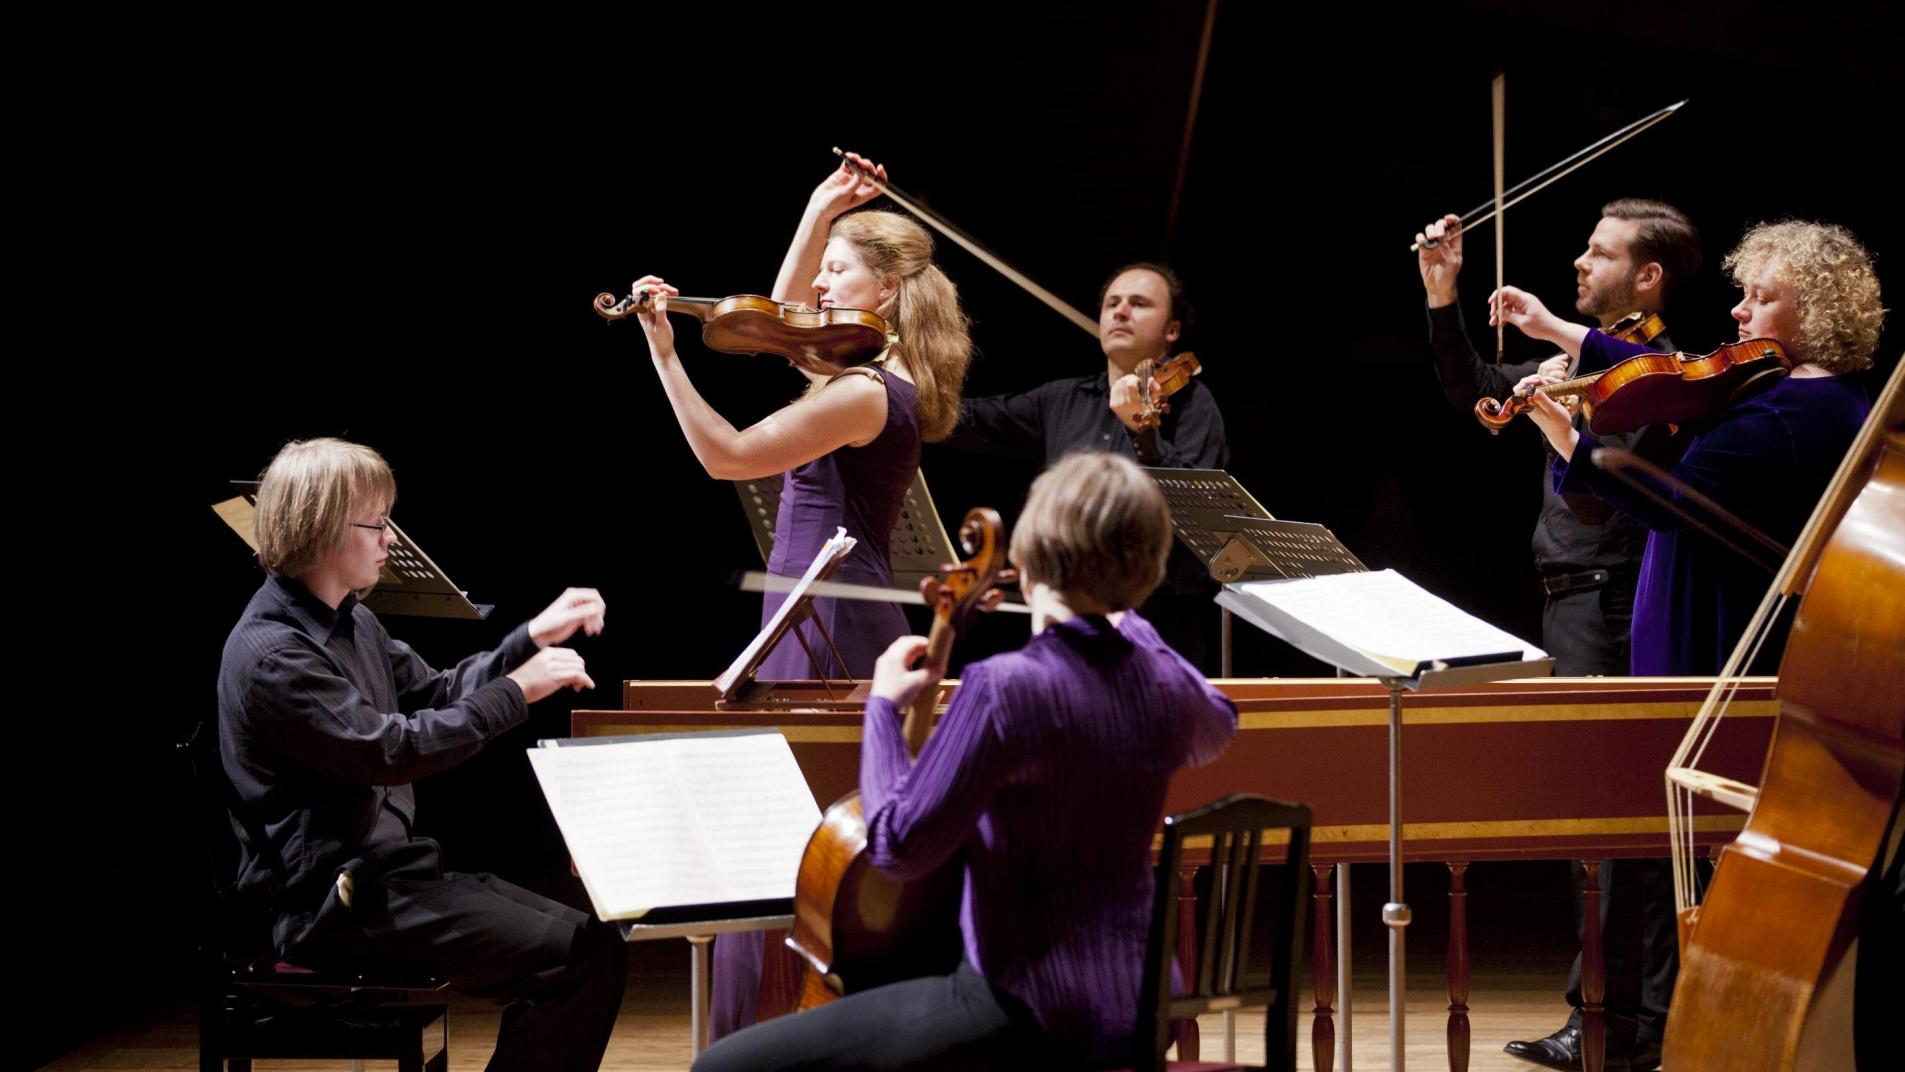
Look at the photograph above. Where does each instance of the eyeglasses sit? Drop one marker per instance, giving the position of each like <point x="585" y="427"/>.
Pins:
<point x="382" y="525"/>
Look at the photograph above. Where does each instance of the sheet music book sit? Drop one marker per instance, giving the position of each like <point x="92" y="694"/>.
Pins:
<point x="679" y="821"/>
<point x="1374" y="624"/>
<point x="750" y="657"/>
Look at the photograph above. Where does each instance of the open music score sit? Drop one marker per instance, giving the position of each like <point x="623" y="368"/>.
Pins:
<point x="680" y="825"/>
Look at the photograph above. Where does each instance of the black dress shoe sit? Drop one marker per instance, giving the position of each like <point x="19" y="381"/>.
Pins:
<point x="1559" y="1050"/>
<point x="1563" y="1050"/>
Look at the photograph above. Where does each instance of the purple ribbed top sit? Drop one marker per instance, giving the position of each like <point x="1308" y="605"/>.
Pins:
<point x="1049" y="772"/>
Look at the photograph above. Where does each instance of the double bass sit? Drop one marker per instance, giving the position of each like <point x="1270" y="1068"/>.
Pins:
<point x="854" y="927"/>
<point x="1766" y="972"/>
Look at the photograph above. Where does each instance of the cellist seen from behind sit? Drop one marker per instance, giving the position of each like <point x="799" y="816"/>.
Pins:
<point x="1046" y="777"/>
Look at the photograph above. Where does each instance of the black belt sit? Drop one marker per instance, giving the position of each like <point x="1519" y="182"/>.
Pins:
<point x="1560" y="584"/>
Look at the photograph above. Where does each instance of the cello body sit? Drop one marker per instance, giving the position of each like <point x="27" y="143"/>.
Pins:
<point x="855" y="927"/>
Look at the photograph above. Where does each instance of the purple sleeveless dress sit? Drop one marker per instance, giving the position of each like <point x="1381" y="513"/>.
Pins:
<point x="860" y="488"/>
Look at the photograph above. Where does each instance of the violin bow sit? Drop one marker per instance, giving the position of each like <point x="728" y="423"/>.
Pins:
<point x="1498" y="94"/>
<point x="1521" y="191"/>
<point x="971" y="245"/>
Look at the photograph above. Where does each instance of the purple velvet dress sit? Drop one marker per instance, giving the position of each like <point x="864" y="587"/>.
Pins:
<point x="1767" y="458"/>
<point x="860" y="489"/>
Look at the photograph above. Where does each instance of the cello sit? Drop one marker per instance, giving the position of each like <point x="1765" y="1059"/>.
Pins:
<point x="1767" y="966"/>
<point x="854" y="927"/>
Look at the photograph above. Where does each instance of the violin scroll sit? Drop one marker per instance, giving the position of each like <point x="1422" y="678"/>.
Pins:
<point x="610" y="307"/>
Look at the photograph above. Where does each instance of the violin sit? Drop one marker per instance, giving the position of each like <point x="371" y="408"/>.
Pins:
<point x="1642" y="328"/>
<point x="824" y="342"/>
<point x="853" y="926"/>
<point x="1156" y="384"/>
<point x="1649" y="389"/>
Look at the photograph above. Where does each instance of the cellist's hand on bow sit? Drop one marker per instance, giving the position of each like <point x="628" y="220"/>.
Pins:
<point x="653" y="315"/>
<point x="846" y="188"/>
<point x="895" y="677"/>
<point x="1441" y="263"/>
<point x="1550" y="416"/>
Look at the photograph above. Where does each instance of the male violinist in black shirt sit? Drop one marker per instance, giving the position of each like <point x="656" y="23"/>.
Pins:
<point x="1588" y="556"/>
<point x="1143" y="313"/>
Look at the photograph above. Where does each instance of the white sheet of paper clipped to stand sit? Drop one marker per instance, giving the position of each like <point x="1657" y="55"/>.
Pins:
<point x="1393" y="623"/>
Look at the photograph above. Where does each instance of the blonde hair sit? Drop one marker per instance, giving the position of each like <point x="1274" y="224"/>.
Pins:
<point x="934" y="330"/>
<point x="1094" y="526"/>
<point x="1831" y="279"/>
<point x="307" y="497"/>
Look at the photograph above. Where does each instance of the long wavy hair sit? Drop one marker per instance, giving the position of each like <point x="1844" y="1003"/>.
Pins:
<point x="935" y="332"/>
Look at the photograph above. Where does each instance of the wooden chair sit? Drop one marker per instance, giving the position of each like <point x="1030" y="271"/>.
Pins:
<point x="1235" y="826"/>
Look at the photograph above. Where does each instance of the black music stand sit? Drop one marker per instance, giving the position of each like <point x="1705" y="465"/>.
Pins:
<point x="408" y="584"/>
<point x="1264" y="549"/>
<point x="918" y="548"/>
<point x="1204" y="505"/>
<point x="737" y="684"/>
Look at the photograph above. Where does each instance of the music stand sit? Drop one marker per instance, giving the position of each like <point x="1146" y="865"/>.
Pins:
<point x="917" y="548"/>
<point x="1318" y="636"/>
<point x="737" y="684"/>
<point x="1203" y="504"/>
<point x="1264" y="549"/>
<point x="408" y="583"/>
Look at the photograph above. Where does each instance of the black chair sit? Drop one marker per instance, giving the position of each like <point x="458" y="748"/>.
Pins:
<point x="253" y="1005"/>
<point x="1235" y="826"/>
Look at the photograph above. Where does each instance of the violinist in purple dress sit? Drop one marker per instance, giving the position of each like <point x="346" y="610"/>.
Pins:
<point x="849" y="446"/>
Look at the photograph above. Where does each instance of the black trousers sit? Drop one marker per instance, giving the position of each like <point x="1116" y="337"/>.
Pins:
<point x="1587" y="631"/>
<point x="955" y="1021"/>
<point x="560" y="972"/>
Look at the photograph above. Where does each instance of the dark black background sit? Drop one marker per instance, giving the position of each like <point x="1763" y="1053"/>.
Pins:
<point x="392" y="233"/>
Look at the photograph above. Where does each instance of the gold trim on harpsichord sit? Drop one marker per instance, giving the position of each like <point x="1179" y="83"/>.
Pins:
<point x="1482" y="831"/>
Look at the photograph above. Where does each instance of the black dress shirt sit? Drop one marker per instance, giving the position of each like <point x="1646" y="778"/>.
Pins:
<point x="1574" y="532"/>
<point x="324" y="720"/>
<point x="1063" y="416"/>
